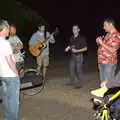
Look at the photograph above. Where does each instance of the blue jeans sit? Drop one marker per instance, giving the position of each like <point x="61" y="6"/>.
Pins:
<point x="76" y="70"/>
<point x="107" y="71"/>
<point x="11" y="93"/>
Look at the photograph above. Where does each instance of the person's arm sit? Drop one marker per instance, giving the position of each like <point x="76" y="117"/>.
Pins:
<point x="82" y="49"/>
<point x="69" y="45"/>
<point x="19" y="43"/>
<point x="9" y="57"/>
<point x="32" y="39"/>
<point x="111" y="48"/>
<point x="97" y="39"/>
<point x="67" y="48"/>
<point x="11" y="64"/>
<point x="51" y="38"/>
<point x="79" y="50"/>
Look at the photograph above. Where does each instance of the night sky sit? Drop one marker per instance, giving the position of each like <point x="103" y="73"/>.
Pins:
<point x="89" y="14"/>
<point x="67" y="12"/>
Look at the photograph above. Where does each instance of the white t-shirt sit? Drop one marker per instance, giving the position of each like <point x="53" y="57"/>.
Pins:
<point x="14" y="40"/>
<point x="5" y="50"/>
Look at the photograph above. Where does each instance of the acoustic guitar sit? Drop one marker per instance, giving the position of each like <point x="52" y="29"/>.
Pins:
<point x="36" y="49"/>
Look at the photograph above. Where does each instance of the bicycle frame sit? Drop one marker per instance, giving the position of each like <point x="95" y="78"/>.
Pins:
<point x="105" y="113"/>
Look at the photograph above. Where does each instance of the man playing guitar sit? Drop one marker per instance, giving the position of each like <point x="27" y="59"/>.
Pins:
<point x="38" y="37"/>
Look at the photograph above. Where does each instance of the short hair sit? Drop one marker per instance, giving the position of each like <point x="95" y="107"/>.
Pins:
<point x="40" y="24"/>
<point x="109" y="20"/>
<point x="76" y="25"/>
<point x="13" y="25"/>
<point x="3" y="24"/>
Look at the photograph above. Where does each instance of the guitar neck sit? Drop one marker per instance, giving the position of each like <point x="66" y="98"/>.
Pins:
<point x="48" y="38"/>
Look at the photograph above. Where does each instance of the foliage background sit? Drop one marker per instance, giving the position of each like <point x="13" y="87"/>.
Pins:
<point x="22" y="16"/>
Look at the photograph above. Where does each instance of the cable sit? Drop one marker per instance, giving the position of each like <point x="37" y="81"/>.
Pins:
<point x="36" y="91"/>
<point x="33" y="92"/>
<point x="23" y="94"/>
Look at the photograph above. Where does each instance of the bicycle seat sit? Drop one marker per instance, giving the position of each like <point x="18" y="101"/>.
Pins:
<point x="99" y="92"/>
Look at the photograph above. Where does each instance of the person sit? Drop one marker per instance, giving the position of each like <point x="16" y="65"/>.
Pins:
<point x="77" y="46"/>
<point x="43" y="57"/>
<point x="8" y="75"/>
<point x="107" y="50"/>
<point x="17" y="46"/>
<point x="108" y="85"/>
<point x="109" y="88"/>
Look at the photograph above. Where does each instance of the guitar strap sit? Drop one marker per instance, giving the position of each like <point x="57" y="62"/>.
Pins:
<point x="45" y="35"/>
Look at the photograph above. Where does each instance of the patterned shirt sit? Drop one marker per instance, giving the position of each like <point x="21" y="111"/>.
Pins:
<point x="104" y="55"/>
<point x="14" y="40"/>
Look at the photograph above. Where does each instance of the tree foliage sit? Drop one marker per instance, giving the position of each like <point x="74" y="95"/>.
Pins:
<point x="22" y="16"/>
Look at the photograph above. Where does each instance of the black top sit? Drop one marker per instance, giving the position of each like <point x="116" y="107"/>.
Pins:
<point x="78" y="42"/>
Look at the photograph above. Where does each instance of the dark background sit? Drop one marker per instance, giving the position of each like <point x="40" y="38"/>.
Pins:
<point x="88" y="14"/>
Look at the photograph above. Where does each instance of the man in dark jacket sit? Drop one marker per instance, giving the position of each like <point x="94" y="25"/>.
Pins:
<point x="77" y="45"/>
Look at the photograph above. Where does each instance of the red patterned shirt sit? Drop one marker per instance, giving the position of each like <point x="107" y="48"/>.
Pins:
<point x="104" y="55"/>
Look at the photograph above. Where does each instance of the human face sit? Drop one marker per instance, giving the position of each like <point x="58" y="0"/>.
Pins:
<point x="5" y="31"/>
<point x="12" y="30"/>
<point x="107" y="26"/>
<point x="42" y="28"/>
<point x="75" y="30"/>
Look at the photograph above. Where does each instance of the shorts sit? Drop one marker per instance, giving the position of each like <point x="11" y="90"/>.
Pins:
<point x="43" y="61"/>
<point x="107" y="71"/>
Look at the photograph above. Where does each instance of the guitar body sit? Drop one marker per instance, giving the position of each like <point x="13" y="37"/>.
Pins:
<point x="37" y="48"/>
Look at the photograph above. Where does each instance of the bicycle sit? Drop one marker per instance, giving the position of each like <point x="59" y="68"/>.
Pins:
<point x="104" y="110"/>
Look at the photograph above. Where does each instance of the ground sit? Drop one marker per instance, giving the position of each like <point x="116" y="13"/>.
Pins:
<point x="58" y="101"/>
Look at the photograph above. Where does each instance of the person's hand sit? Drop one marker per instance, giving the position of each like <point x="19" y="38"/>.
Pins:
<point x="67" y="49"/>
<point x="19" y="46"/>
<point x="103" y="84"/>
<point x="99" y="40"/>
<point x="15" y="51"/>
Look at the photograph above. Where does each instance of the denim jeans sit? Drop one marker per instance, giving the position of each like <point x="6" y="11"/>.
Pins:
<point x="11" y="92"/>
<point x="107" y="71"/>
<point x="76" y="70"/>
